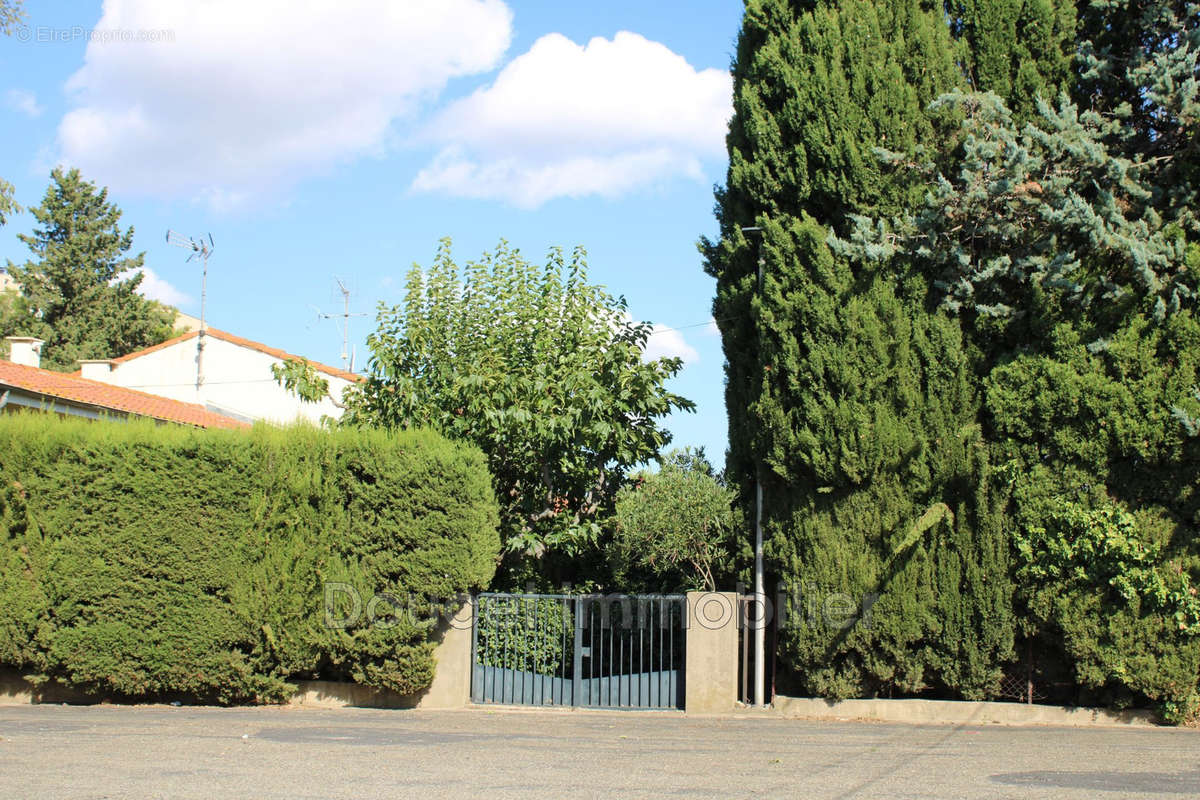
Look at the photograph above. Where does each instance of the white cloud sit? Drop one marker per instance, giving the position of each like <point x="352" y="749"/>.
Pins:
<point x="567" y="120"/>
<point x="155" y="287"/>
<point x="248" y="97"/>
<point x="711" y="328"/>
<point x="667" y="342"/>
<point x="23" y="101"/>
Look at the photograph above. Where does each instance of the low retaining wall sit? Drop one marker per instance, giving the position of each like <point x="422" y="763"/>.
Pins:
<point x="16" y="691"/>
<point x="959" y="712"/>
<point x="451" y="687"/>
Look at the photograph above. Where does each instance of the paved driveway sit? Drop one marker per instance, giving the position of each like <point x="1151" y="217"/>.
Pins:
<point x="155" y="751"/>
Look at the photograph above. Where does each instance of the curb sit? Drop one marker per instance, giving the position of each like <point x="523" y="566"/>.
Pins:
<point x="960" y="712"/>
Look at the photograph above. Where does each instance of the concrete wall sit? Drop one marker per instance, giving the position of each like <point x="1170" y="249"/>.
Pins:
<point x="16" y="691"/>
<point x="710" y="683"/>
<point x="451" y="686"/>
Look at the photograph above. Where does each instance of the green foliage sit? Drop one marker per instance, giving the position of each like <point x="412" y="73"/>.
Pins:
<point x="1065" y="245"/>
<point x="524" y="633"/>
<point x="1018" y="49"/>
<point x="298" y="376"/>
<point x="1139" y="63"/>
<point x="955" y="280"/>
<point x="816" y="87"/>
<point x="679" y="524"/>
<point x="79" y="293"/>
<point x="1128" y="616"/>
<point x="1036" y="226"/>
<point x="11" y="13"/>
<point x="879" y="490"/>
<point x="541" y="370"/>
<point x="849" y="399"/>
<point x="1104" y="547"/>
<point x="1190" y="420"/>
<point x="8" y="206"/>
<point x="143" y="560"/>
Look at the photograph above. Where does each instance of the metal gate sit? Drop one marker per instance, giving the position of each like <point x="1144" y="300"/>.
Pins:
<point x="599" y="651"/>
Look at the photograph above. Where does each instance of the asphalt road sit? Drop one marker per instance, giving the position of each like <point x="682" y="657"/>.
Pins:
<point x="157" y="751"/>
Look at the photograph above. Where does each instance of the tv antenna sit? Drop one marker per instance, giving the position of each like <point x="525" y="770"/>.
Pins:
<point x="200" y="249"/>
<point x="347" y="354"/>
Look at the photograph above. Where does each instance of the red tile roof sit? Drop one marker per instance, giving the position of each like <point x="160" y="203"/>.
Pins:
<point x="241" y="342"/>
<point x="80" y="390"/>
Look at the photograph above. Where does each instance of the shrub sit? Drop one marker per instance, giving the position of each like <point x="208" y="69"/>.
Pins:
<point x="526" y="633"/>
<point x="144" y="560"/>
<point x="677" y="525"/>
<point x="1127" y="614"/>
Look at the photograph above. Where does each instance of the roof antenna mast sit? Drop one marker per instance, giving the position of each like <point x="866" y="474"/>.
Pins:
<point x="200" y="249"/>
<point x="347" y="356"/>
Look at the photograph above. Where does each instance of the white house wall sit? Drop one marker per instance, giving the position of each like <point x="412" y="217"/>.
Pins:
<point x="237" y="381"/>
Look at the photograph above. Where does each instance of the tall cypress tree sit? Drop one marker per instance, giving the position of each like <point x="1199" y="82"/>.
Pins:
<point x="1018" y="49"/>
<point x="1068" y="246"/>
<point x="848" y="399"/>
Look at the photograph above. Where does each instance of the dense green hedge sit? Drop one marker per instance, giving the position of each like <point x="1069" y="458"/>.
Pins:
<point x="144" y="560"/>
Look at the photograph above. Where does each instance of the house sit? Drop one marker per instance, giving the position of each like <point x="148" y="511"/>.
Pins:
<point x="25" y="385"/>
<point x="223" y="373"/>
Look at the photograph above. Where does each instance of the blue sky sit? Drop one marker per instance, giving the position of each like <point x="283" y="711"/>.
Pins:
<point x="345" y="138"/>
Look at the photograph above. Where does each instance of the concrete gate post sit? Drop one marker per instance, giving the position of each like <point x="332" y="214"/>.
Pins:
<point x="710" y="680"/>
<point x="451" y="687"/>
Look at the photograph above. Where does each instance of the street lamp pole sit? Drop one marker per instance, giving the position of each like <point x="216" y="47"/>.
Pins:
<point x="760" y="597"/>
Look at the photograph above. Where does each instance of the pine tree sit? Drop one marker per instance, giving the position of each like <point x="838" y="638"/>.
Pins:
<point x="79" y="293"/>
<point x="814" y="93"/>
<point x="1139" y="65"/>
<point x="847" y="397"/>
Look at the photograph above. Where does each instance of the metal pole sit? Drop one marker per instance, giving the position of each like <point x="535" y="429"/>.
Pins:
<point x="760" y="597"/>
<point x="760" y="604"/>
<point x="201" y="334"/>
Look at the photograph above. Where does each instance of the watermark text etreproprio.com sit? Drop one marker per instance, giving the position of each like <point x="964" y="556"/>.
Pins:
<point x="46" y="34"/>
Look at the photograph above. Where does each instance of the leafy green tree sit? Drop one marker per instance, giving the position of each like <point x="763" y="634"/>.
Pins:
<point x="539" y="368"/>
<point x="679" y="525"/>
<point x="8" y="206"/>
<point x="79" y="293"/>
